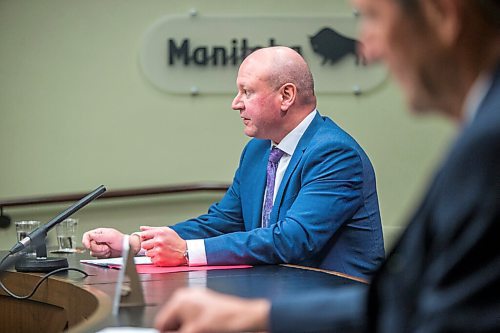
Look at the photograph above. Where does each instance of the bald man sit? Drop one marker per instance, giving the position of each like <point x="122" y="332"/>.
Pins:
<point x="304" y="192"/>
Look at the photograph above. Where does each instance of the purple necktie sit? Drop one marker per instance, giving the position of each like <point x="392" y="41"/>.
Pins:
<point x="272" y="166"/>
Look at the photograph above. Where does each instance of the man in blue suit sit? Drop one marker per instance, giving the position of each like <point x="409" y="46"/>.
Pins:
<point x="444" y="273"/>
<point x="318" y="207"/>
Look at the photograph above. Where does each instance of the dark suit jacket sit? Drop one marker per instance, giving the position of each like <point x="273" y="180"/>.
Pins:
<point x="325" y="212"/>
<point x="444" y="273"/>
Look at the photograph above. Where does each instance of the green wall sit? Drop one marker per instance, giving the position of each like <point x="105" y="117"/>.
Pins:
<point x="76" y="112"/>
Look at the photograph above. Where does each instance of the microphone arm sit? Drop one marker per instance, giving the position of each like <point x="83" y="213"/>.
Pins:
<point x="39" y="234"/>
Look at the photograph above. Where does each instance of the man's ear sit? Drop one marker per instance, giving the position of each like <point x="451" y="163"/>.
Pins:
<point x="445" y="19"/>
<point x="288" y="93"/>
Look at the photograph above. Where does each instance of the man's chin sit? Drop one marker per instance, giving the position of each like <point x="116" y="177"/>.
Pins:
<point x="249" y="132"/>
<point x="417" y="106"/>
<point x="421" y="111"/>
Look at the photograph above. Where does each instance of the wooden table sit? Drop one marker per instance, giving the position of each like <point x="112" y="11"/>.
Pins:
<point x="69" y="301"/>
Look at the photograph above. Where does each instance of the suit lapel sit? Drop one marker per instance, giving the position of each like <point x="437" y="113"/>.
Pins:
<point x="259" y="177"/>
<point x="294" y="162"/>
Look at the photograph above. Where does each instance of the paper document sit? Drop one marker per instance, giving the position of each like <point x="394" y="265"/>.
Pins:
<point x="115" y="261"/>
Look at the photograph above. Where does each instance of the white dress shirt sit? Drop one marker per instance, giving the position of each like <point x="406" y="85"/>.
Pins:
<point x="476" y="95"/>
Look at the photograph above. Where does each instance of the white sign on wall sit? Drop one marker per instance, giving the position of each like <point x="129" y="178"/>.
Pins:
<point x="198" y="54"/>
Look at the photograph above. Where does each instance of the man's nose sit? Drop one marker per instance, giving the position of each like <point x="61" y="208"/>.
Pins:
<point x="370" y="53"/>
<point x="369" y="47"/>
<point x="237" y="104"/>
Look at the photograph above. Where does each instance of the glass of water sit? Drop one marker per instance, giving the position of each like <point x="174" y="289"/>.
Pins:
<point x="66" y="231"/>
<point x="23" y="228"/>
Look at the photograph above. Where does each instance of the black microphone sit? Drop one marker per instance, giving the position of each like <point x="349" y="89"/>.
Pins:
<point x="39" y="234"/>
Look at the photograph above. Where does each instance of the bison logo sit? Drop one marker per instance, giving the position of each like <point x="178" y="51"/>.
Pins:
<point x="333" y="46"/>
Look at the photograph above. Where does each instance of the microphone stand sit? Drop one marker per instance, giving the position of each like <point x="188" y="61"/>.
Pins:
<point x="41" y="263"/>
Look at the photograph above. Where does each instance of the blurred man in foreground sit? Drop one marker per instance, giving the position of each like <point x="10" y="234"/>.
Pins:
<point x="444" y="273"/>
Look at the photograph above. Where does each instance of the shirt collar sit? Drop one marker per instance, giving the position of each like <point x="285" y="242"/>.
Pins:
<point x="476" y="95"/>
<point x="291" y="140"/>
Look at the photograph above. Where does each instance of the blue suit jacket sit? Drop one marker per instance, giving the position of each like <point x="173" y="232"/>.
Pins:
<point x="325" y="212"/>
<point x="444" y="273"/>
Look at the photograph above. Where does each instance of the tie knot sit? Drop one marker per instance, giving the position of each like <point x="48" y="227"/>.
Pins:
<point x="275" y="155"/>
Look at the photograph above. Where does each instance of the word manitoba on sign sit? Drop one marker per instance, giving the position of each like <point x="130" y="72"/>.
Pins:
<point x="202" y="54"/>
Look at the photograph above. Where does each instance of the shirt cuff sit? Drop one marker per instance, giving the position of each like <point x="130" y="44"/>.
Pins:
<point x="196" y="252"/>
